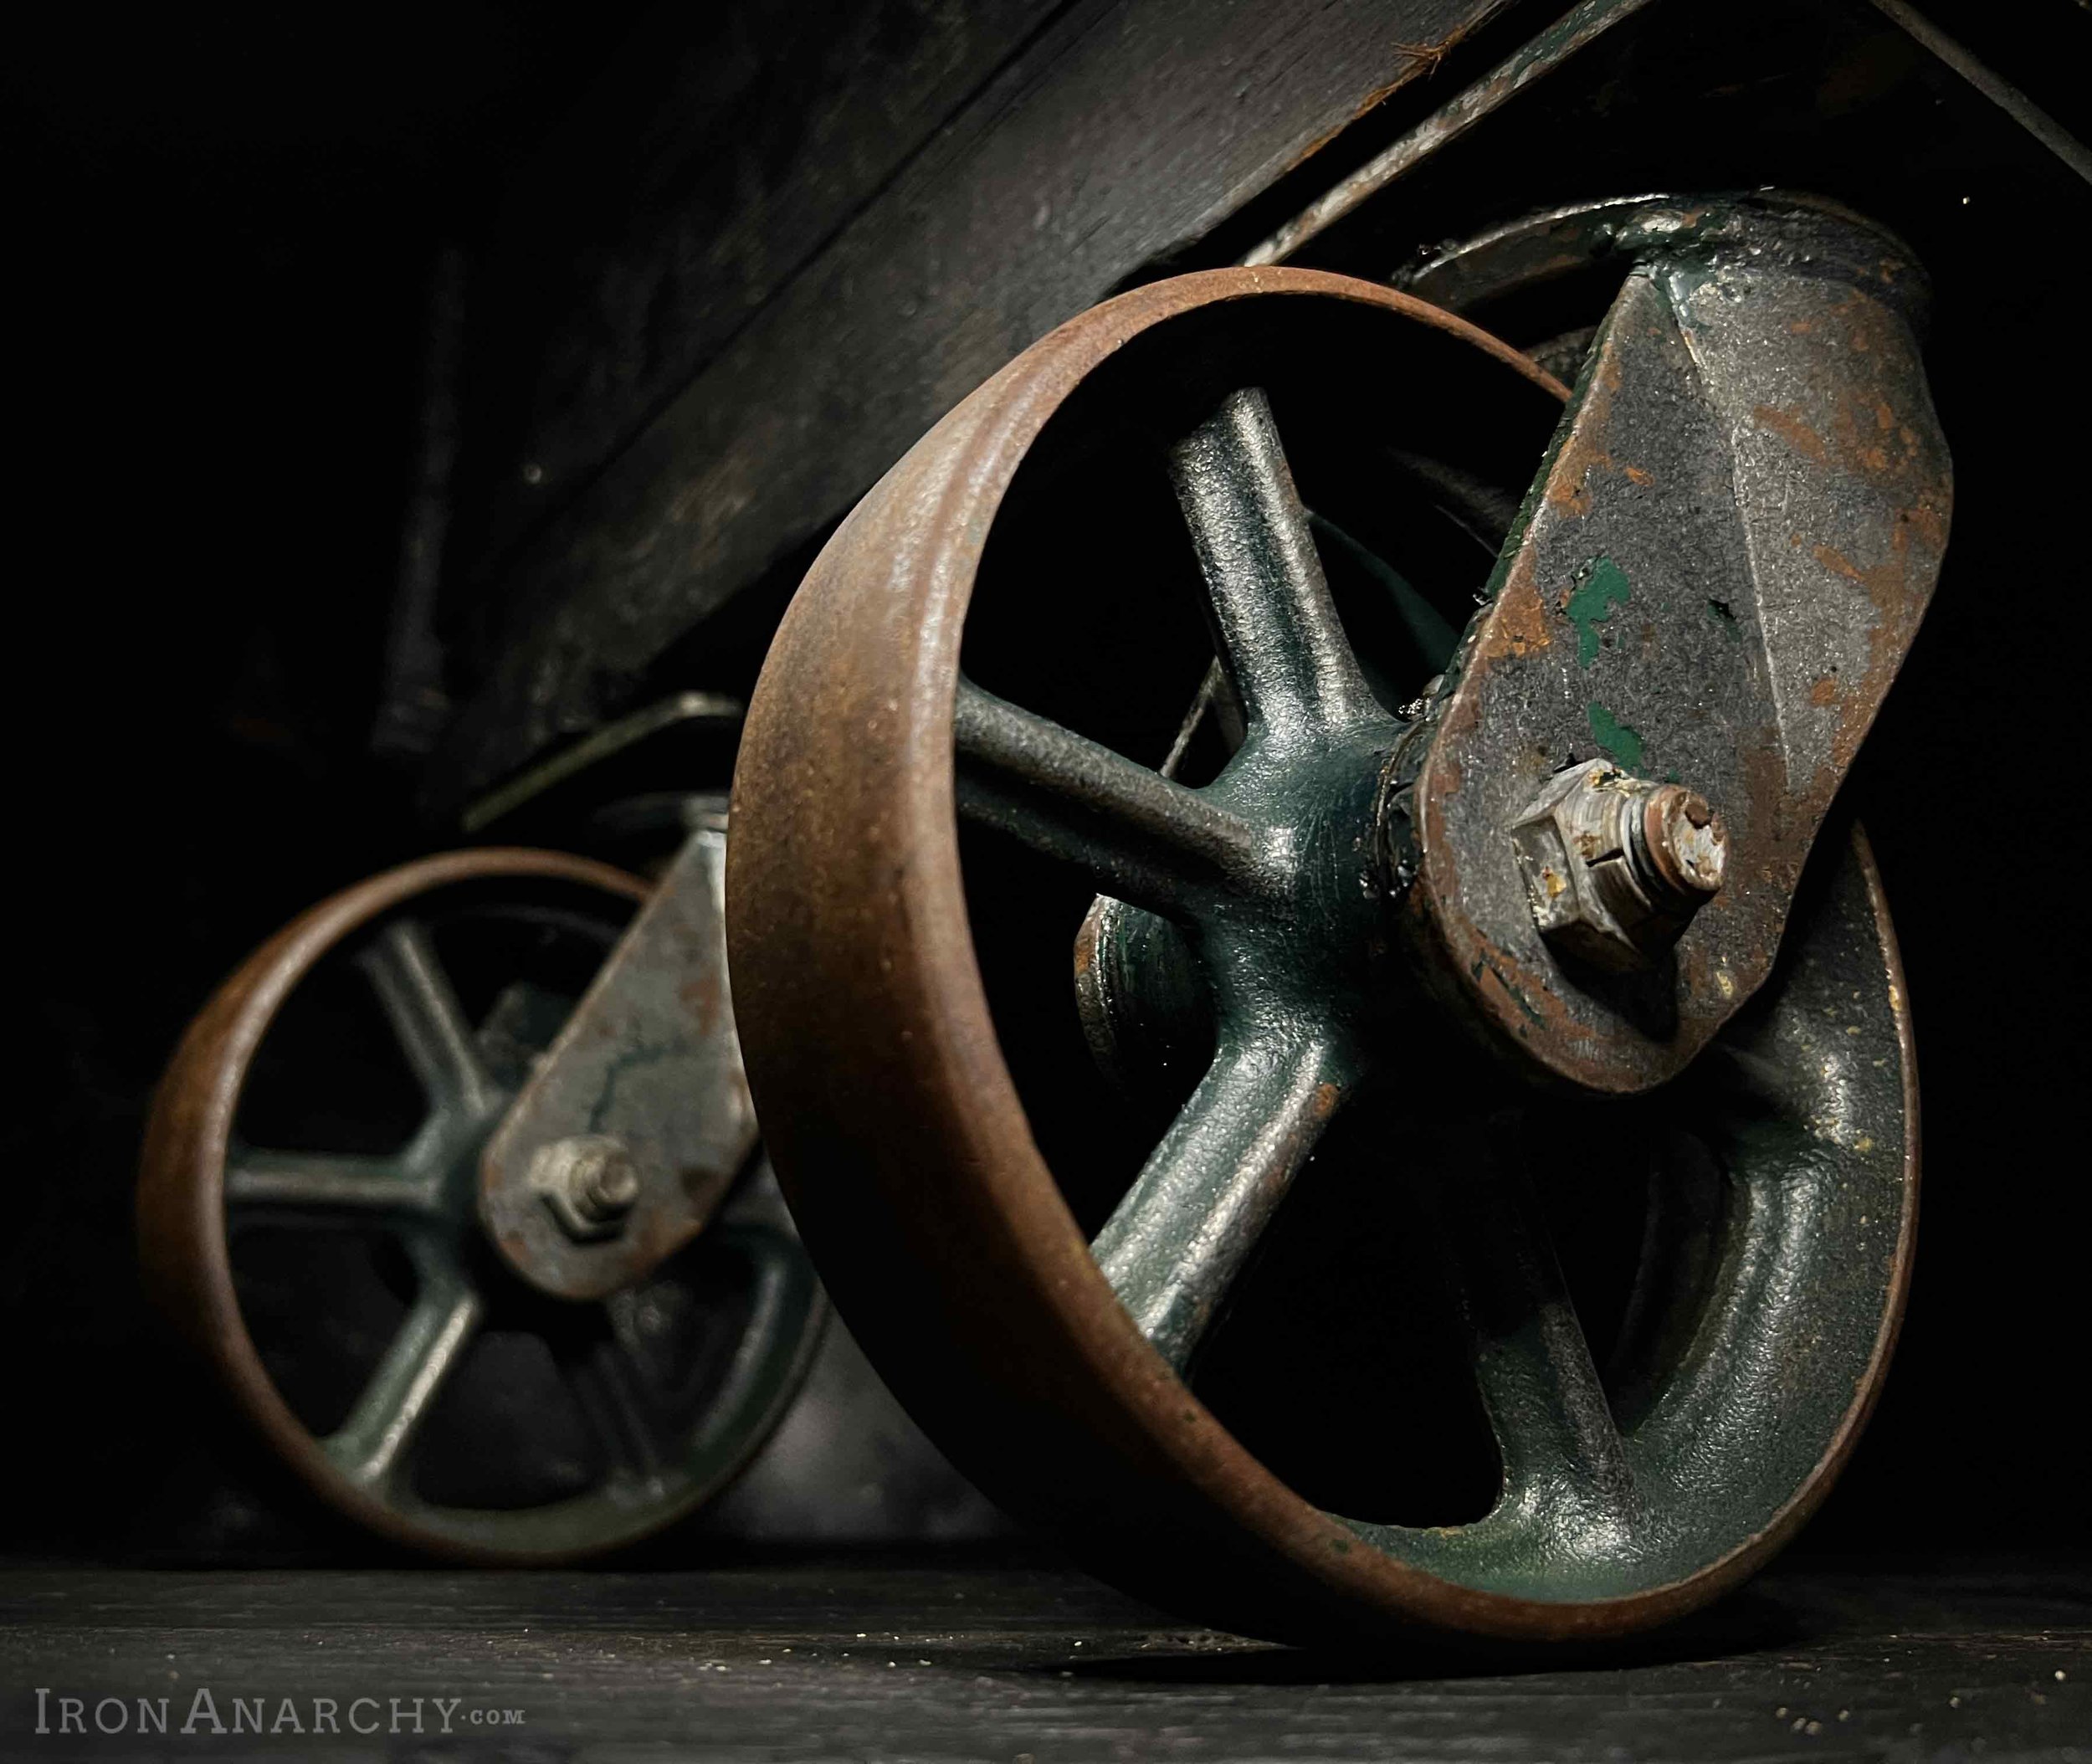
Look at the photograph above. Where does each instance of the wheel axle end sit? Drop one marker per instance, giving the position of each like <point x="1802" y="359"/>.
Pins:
<point x="1615" y="867"/>
<point x="588" y="1182"/>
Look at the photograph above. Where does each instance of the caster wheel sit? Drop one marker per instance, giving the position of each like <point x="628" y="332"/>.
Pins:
<point x="1517" y="1358"/>
<point x="310" y="1215"/>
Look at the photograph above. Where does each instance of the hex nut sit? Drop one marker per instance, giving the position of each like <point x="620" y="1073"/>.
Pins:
<point x="1615" y="866"/>
<point x="589" y="1182"/>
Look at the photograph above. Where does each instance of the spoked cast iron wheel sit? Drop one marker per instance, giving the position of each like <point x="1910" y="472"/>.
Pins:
<point x="1094" y="1342"/>
<point x="309" y="1215"/>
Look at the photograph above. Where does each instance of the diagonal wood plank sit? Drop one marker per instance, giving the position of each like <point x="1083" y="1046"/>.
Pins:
<point x="1126" y="130"/>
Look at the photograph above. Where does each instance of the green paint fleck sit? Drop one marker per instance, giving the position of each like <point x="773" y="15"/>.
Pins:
<point x="1601" y="585"/>
<point x="1617" y="740"/>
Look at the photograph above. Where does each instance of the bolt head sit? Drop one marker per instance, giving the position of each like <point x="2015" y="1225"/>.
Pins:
<point x="613" y="1184"/>
<point x="589" y="1182"/>
<point x="1614" y="866"/>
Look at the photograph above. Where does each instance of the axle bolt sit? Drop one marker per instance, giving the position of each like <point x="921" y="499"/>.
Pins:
<point x="589" y="1182"/>
<point x="1682" y="850"/>
<point x="1615" y="866"/>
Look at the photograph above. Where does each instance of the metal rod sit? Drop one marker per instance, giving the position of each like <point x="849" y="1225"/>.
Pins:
<point x="605" y="743"/>
<point x="1534" y="61"/>
<point x="2006" y="96"/>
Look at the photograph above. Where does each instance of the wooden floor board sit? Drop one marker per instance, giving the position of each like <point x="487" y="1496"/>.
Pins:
<point x="960" y="1658"/>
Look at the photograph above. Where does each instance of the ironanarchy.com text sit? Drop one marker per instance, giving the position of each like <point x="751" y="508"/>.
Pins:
<point x="208" y="1713"/>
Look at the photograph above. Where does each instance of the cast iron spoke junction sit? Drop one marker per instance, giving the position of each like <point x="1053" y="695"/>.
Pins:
<point x="1285" y="677"/>
<point x="427" y="1020"/>
<point x="421" y="1195"/>
<point x="1261" y="868"/>
<point x="1184" y="1230"/>
<point x="373" y="1444"/>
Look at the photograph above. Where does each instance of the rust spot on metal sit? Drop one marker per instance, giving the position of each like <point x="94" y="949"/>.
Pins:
<point x="1520" y="624"/>
<point x="1926" y="521"/>
<point x="702" y="998"/>
<point x="1583" y="452"/>
<point x="1873" y="581"/>
<point x="1794" y="431"/>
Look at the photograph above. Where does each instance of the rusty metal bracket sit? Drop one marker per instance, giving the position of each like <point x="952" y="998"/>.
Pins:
<point x="636" y="1120"/>
<point x="1712" y="583"/>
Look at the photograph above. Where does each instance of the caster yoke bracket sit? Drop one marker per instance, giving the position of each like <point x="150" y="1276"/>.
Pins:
<point x="637" y="1120"/>
<point x="1711" y="585"/>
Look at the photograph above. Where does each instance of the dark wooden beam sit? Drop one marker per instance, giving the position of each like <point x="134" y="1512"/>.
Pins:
<point x="716" y="158"/>
<point x="1125" y="131"/>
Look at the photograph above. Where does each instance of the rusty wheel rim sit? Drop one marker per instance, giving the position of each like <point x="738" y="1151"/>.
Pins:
<point x="189" y="1207"/>
<point x="914" y="1172"/>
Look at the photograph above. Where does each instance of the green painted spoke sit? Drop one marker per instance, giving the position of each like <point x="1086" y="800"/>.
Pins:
<point x="1546" y="1404"/>
<point x="1186" y="1226"/>
<point x="1276" y="624"/>
<point x="373" y="1444"/>
<point x="608" y="1385"/>
<point x="323" y="1188"/>
<point x="427" y="1019"/>
<point x="1134" y="833"/>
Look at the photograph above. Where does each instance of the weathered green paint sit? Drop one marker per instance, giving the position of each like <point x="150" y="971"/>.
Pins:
<point x="1621" y="742"/>
<point x="1601" y="585"/>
